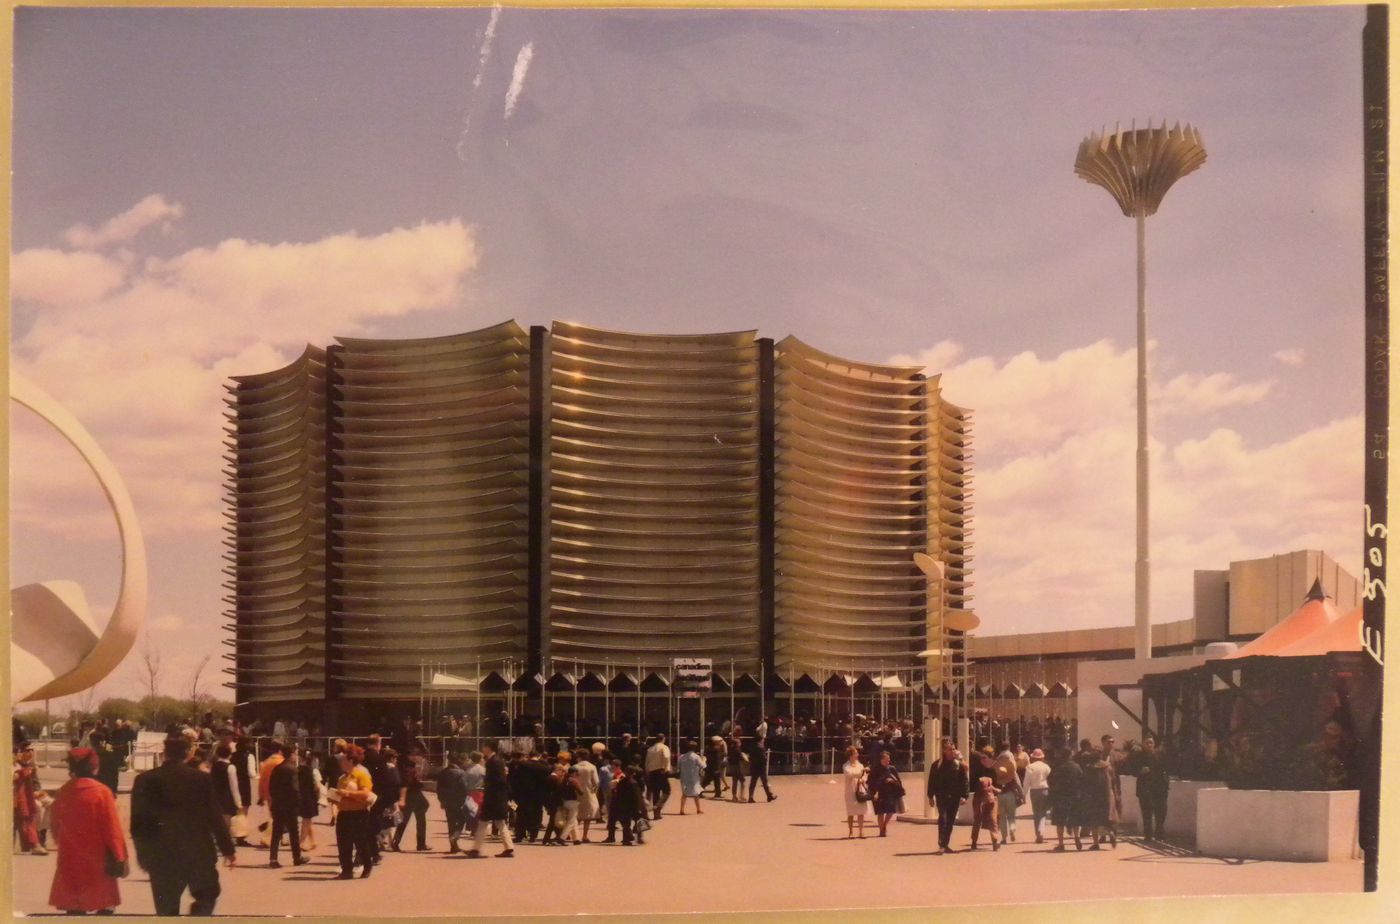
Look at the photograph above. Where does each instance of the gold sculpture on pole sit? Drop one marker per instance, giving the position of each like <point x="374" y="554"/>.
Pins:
<point x="1137" y="167"/>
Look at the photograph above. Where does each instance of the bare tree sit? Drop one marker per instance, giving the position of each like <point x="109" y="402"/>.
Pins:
<point x="87" y="702"/>
<point x="194" y="687"/>
<point x="150" y="675"/>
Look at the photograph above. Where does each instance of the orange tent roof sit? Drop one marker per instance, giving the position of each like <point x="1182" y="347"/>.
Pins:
<point x="1317" y="612"/>
<point x="1342" y="635"/>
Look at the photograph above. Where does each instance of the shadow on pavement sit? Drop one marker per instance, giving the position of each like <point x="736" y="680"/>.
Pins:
<point x="1163" y="851"/>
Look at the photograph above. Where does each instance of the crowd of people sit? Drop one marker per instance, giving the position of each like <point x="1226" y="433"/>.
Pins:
<point x="208" y="798"/>
<point x="1078" y="792"/>
<point x="800" y="743"/>
<point x="219" y="789"/>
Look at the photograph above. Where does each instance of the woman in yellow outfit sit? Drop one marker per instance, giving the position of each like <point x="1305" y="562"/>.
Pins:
<point x="354" y="795"/>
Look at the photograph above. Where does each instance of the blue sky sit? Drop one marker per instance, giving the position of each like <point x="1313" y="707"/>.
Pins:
<point x="880" y="184"/>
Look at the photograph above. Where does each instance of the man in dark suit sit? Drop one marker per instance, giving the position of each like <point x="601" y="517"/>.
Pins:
<point x="179" y="832"/>
<point x="406" y="739"/>
<point x="109" y="761"/>
<point x="758" y="767"/>
<point x="284" y="792"/>
<point x="495" y="803"/>
<point x="625" y="805"/>
<point x="528" y="779"/>
<point x="386" y="788"/>
<point x="452" y="796"/>
<point x="1153" y="784"/>
<point x="631" y="751"/>
<point x="947" y="788"/>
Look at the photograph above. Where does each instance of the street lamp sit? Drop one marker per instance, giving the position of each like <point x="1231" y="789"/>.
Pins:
<point x="1137" y="167"/>
<point x="941" y="620"/>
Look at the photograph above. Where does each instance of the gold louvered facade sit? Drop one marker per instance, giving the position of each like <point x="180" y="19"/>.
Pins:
<point x="950" y="528"/>
<point x="276" y="545"/>
<point x="851" y="472"/>
<point x="654" y="497"/>
<point x="950" y="518"/>
<point x="506" y="500"/>
<point x="429" y="453"/>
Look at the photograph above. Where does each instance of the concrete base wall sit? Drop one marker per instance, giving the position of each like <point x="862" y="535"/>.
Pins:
<point x="1257" y="824"/>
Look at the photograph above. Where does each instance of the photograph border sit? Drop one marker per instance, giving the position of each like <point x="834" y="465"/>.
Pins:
<point x="1380" y="815"/>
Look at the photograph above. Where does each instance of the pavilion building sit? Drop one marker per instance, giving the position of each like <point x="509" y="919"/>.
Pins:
<point x="569" y="510"/>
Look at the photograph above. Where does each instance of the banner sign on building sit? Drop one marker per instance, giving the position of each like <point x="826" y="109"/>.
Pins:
<point x="691" y="676"/>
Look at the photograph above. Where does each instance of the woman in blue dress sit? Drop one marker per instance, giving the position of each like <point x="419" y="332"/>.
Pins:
<point x="692" y="770"/>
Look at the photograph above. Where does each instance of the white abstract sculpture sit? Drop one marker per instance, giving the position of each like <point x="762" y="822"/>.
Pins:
<point x="56" y="648"/>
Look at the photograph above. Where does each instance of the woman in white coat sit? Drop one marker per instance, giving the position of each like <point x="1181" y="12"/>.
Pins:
<point x="853" y="775"/>
<point x="588" y="790"/>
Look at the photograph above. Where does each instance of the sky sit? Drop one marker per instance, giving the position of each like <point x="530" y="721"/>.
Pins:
<point x="200" y="193"/>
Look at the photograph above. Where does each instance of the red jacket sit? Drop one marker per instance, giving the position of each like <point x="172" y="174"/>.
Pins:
<point x="25" y="781"/>
<point x="85" y="828"/>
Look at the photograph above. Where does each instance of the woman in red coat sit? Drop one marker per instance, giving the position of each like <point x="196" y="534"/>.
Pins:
<point x="26" y="784"/>
<point x="86" y="830"/>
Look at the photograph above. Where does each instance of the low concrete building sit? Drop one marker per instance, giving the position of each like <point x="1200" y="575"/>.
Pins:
<point x="1233" y="604"/>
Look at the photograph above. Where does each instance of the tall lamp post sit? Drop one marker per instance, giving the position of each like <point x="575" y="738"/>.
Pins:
<point x="1137" y="167"/>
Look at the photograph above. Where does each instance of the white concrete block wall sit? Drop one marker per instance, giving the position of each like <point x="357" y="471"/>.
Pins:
<point x="1276" y="825"/>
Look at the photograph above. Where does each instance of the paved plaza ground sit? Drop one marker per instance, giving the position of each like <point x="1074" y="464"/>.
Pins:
<point x="791" y="854"/>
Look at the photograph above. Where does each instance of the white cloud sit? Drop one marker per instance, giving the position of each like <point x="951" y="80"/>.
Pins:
<point x="1054" y="485"/>
<point x="517" y="78"/>
<point x="142" y="361"/>
<point x="1027" y="402"/>
<point x="1189" y="394"/>
<point x="155" y="209"/>
<point x="59" y="279"/>
<point x="1293" y="357"/>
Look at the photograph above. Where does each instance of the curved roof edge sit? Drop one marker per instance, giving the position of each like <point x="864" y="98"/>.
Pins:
<point x="737" y="338"/>
<point x="791" y="344"/>
<point x="309" y="355"/>
<point x="504" y="329"/>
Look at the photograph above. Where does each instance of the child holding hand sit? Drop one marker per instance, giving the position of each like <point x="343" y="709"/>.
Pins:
<point x="984" y="811"/>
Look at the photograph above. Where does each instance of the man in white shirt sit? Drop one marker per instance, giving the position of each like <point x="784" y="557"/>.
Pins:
<point x="658" y="768"/>
<point x="224" y="779"/>
<point x="1037" y="784"/>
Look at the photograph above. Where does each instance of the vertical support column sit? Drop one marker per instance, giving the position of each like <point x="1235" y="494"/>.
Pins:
<point x="240" y="622"/>
<point x="1142" y="584"/>
<point x="767" y="512"/>
<point x="933" y="733"/>
<point x="537" y="594"/>
<point x="931" y="546"/>
<point x="335" y="361"/>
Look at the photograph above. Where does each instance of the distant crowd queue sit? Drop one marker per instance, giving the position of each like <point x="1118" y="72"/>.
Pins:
<point x="1080" y="792"/>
